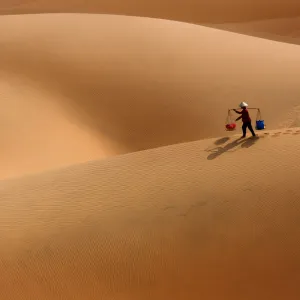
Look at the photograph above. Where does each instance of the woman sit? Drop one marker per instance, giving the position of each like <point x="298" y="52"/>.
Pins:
<point x="245" y="118"/>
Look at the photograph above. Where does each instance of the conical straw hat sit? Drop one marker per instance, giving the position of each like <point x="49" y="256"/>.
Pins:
<point x="243" y="104"/>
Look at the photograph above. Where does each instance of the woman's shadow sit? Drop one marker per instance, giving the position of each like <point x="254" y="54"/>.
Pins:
<point x="230" y="147"/>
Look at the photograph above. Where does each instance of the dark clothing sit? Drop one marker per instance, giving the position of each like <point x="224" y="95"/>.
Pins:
<point x="244" y="127"/>
<point x="245" y="115"/>
<point x="246" y="121"/>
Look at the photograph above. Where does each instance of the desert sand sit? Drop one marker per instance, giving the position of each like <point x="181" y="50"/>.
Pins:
<point x="116" y="90"/>
<point x="283" y="30"/>
<point x="193" y="11"/>
<point x="217" y="219"/>
<point x="118" y="180"/>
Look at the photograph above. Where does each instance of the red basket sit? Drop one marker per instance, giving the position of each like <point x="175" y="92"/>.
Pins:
<point x="230" y="126"/>
<point x="230" y="123"/>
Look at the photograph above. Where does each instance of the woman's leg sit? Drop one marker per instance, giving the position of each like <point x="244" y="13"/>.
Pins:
<point x="244" y="127"/>
<point x="251" y="129"/>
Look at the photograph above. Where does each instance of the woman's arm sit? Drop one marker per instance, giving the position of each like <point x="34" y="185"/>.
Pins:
<point x="238" y="112"/>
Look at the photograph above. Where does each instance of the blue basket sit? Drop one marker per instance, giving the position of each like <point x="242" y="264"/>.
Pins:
<point x="260" y="124"/>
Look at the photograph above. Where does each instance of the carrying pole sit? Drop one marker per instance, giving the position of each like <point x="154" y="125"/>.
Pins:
<point x="240" y="108"/>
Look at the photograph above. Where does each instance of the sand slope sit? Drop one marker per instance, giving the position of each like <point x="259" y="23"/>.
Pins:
<point x="214" y="219"/>
<point x="282" y="29"/>
<point x="35" y="134"/>
<point x="194" y="11"/>
<point x="126" y="84"/>
<point x="266" y="19"/>
<point x="178" y="222"/>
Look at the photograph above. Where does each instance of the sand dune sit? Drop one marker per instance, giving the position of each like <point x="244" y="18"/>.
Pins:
<point x="216" y="218"/>
<point x="129" y="91"/>
<point x="283" y="29"/>
<point x="35" y="135"/>
<point x="267" y="19"/>
<point x="178" y="222"/>
<point x="193" y="11"/>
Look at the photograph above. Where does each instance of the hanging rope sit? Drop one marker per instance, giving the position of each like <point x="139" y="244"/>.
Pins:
<point x="260" y="123"/>
<point x="258" y="115"/>
<point x="230" y="122"/>
<point x="229" y="118"/>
